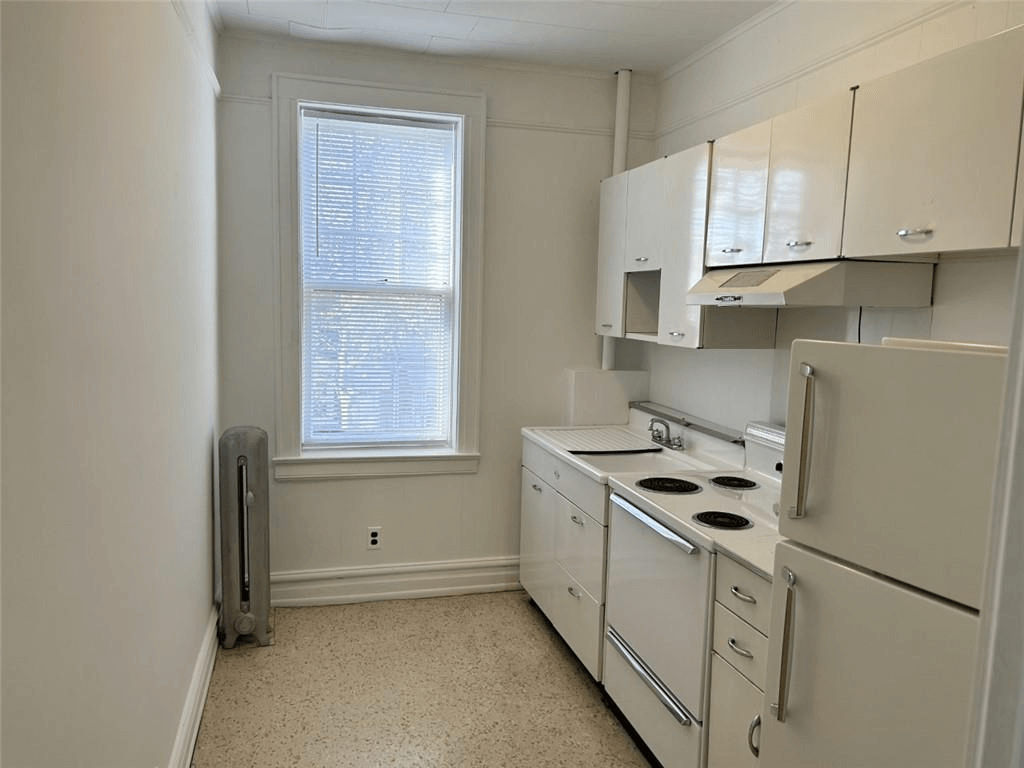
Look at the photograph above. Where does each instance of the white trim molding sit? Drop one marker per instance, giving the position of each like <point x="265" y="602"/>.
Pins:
<point x="195" y="700"/>
<point x="329" y="586"/>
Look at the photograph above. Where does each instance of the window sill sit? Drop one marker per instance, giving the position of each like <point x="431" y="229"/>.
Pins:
<point x="331" y="466"/>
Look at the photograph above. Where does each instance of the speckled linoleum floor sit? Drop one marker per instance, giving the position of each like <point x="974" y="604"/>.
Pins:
<point x="474" y="680"/>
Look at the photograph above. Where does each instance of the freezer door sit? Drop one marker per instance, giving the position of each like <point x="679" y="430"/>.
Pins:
<point x="863" y="672"/>
<point x="890" y="459"/>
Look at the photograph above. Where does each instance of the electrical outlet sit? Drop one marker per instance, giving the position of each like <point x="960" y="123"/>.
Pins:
<point x="373" y="537"/>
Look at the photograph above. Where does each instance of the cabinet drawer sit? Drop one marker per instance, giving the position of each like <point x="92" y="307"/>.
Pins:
<point x="585" y="493"/>
<point x="740" y="644"/>
<point x="744" y="593"/>
<point x="579" y="619"/>
<point x="674" y="744"/>
<point x="579" y="546"/>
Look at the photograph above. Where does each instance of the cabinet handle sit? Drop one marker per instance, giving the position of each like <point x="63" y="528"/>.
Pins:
<point x="606" y="325"/>
<point x="641" y="259"/>
<point x="798" y="510"/>
<point x="728" y="299"/>
<point x="785" y="666"/>
<point x="914" y="233"/>
<point x="732" y="250"/>
<point x="678" y="334"/>
<point x="739" y="649"/>
<point x="555" y="473"/>
<point x="537" y="488"/>
<point x="739" y="594"/>
<point x="576" y="519"/>
<point x="754" y="725"/>
<point x="574" y="592"/>
<point x="799" y="243"/>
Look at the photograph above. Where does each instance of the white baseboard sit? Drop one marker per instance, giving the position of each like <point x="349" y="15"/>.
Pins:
<point x="192" y="713"/>
<point x="394" y="582"/>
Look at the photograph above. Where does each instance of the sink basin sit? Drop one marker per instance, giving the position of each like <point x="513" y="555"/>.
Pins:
<point x="663" y="461"/>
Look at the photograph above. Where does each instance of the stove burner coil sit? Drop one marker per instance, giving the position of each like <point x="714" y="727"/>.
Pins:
<point x="733" y="483"/>
<point x="667" y="485"/>
<point x="715" y="519"/>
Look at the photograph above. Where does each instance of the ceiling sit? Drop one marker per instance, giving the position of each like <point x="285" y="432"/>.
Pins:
<point x="645" y="36"/>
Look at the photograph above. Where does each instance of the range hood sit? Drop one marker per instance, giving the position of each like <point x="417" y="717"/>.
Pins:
<point x="817" y="284"/>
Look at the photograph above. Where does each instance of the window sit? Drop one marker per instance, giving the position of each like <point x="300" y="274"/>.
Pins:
<point x="379" y="201"/>
<point x="379" y="254"/>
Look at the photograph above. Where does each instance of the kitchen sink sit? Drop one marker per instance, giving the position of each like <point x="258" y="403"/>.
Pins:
<point x="663" y="461"/>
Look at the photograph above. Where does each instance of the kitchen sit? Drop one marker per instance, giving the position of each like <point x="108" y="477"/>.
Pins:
<point x="547" y="129"/>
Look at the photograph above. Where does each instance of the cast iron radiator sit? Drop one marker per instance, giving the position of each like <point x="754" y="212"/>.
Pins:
<point x="244" y="536"/>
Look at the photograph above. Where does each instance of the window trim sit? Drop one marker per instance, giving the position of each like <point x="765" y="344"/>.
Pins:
<point x="291" y="461"/>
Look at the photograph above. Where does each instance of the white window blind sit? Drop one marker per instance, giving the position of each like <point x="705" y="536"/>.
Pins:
<point x="379" y="222"/>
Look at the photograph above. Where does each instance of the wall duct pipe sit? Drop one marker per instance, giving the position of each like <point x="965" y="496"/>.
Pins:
<point x="620" y="145"/>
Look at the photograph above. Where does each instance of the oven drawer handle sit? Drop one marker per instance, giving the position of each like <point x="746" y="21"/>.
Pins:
<point x="656" y="687"/>
<point x="655" y="526"/>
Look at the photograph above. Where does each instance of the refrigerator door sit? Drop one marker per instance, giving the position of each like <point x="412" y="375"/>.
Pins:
<point x="890" y="456"/>
<point x="867" y="673"/>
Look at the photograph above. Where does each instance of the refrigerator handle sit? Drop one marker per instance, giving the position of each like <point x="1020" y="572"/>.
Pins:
<point x="799" y="510"/>
<point x="779" y="708"/>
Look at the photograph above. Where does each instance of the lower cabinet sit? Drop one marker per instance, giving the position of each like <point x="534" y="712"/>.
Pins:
<point x="734" y="718"/>
<point x="738" y="664"/>
<point x="561" y="564"/>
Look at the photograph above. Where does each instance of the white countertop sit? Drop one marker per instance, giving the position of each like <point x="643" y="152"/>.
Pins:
<point x="753" y="546"/>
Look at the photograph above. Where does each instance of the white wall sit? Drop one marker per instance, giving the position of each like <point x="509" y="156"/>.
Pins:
<point x="109" y="377"/>
<point x="784" y="58"/>
<point x="548" y="144"/>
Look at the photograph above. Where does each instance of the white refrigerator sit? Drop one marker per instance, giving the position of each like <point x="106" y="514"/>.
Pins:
<point x="886" y="501"/>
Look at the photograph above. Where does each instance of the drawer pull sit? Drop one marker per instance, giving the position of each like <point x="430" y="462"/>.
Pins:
<point x="799" y="243"/>
<point x="556" y="474"/>
<point x="754" y="725"/>
<point x="537" y="488"/>
<point x="676" y="334"/>
<point x="739" y="594"/>
<point x="739" y="649"/>
<point x="732" y="250"/>
<point x="641" y="259"/>
<point x="577" y="519"/>
<point x="905" y="233"/>
<point x="574" y="592"/>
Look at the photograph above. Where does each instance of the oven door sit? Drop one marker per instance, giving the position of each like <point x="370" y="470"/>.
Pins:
<point x="657" y="601"/>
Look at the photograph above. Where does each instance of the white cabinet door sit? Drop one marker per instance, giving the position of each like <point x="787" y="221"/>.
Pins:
<point x="685" y="203"/>
<point x="735" y="705"/>
<point x="739" y="183"/>
<point x="611" y="249"/>
<point x="807" y="181"/>
<point x="647" y="210"/>
<point x="537" y="540"/>
<point x="933" y="151"/>
<point x="877" y="674"/>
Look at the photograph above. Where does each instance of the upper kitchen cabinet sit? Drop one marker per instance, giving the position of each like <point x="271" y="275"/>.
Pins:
<point x="739" y="183"/>
<point x="649" y="214"/>
<point x="685" y="197"/>
<point x="933" y="154"/>
<point x="807" y="181"/>
<point x="611" y="256"/>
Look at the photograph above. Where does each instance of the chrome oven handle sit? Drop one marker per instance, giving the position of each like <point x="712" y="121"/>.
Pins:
<point x="799" y="509"/>
<point x="629" y="656"/>
<point x="786" y="664"/>
<point x="654" y="525"/>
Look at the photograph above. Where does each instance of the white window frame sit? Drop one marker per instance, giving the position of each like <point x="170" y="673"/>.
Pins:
<point x="291" y="461"/>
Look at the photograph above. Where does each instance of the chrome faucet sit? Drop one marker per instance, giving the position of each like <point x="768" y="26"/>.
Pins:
<point x="661" y="434"/>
